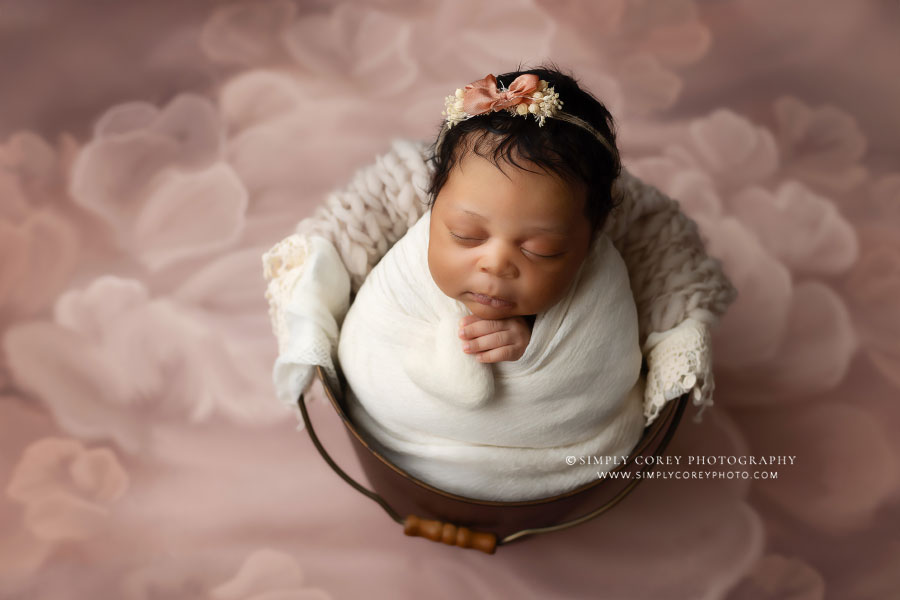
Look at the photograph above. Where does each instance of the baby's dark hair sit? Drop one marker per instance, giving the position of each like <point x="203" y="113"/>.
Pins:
<point x="559" y="147"/>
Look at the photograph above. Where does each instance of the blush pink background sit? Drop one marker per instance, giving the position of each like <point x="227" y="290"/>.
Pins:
<point x="151" y="151"/>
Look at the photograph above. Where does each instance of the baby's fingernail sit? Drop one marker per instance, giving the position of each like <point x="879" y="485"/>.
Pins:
<point x="461" y="333"/>
<point x="466" y="347"/>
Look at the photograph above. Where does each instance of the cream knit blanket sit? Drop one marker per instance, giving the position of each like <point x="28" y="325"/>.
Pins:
<point x="501" y="431"/>
<point x="679" y="291"/>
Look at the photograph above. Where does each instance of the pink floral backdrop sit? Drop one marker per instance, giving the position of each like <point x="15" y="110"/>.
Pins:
<point x="151" y="151"/>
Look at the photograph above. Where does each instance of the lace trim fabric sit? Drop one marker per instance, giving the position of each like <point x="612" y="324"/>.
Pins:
<point x="281" y="268"/>
<point x="678" y="362"/>
<point x="309" y="294"/>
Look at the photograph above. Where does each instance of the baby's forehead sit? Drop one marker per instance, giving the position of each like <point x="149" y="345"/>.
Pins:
<point x="475" y="163"/>
<point x="480" y="179"/>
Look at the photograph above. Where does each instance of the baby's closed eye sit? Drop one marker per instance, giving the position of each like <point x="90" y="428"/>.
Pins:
<point x="544" y="254"/>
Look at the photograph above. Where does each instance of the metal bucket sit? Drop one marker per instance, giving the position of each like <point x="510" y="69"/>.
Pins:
<point x="427" y="511"/>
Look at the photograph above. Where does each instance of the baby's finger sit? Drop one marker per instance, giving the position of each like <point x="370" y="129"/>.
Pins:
<point x="496" y="355"/>
<point x="483" y="327"/>
<point x="466" y="321"/>
<point x="487" y="342"/>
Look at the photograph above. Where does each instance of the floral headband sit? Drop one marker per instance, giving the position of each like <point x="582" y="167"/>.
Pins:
<point x="526" y="95"/>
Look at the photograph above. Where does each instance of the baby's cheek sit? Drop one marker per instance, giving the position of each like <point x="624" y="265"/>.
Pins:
<point x="440" y="269"/>
<point x="547" y="294"/>
<point x="552" y="288"/>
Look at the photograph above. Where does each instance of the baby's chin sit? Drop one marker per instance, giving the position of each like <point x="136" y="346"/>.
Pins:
<point x="488" y="312"/>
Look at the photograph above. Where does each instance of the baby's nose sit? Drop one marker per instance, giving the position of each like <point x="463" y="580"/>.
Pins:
<point x="498" y="263"/>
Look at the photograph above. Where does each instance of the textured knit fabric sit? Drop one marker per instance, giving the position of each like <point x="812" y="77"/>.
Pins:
<point x="671" y="277"/>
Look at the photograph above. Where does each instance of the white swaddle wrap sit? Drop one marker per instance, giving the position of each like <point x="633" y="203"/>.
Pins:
<point x="498" y="431"/>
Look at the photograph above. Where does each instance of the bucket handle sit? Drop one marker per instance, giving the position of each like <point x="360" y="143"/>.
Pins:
<point x="437" y="531"/>
<point x="464" y="537"/>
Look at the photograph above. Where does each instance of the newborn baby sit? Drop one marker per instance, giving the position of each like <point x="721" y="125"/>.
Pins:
<point x="500" y="336"/>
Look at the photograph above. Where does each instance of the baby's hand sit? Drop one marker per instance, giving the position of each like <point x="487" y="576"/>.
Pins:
<point x="495" y="340"/>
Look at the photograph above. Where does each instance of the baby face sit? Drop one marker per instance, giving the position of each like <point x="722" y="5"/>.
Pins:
<point x="506" y="242"/>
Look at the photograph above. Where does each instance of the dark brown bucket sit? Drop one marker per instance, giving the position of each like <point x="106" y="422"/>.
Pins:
<point x="481" y="524"/>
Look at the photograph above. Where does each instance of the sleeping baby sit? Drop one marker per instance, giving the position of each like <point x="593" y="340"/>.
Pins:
<point x="499" y="336"/>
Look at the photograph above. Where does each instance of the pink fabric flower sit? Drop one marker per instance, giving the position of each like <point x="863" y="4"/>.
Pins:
<point x="872" y="288"/>
<point x="482" y="96"/>
<point x="67" y="490"/>
<point x="776" y="577"/>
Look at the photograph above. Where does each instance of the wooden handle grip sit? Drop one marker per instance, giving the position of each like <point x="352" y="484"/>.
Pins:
<point x="450" y="534"/>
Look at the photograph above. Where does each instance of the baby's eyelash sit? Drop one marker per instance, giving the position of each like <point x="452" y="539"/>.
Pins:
<point x="465" y="239"/>
<point x="469" y="239"/>
<point x="543" y="255"/>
